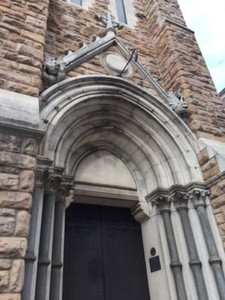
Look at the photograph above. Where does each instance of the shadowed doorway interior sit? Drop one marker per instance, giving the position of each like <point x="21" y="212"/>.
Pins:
<point x="104" y="257"/>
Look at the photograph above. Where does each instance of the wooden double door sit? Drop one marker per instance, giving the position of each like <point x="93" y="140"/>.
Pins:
<point x="104" y="258"/>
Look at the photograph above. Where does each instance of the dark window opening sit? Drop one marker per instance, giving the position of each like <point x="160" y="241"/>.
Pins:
<point x="121" y="13"/>
<point x="79" y="2"/>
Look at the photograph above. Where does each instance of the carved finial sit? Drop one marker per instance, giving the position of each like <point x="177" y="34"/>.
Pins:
<point x="109" y="22"/>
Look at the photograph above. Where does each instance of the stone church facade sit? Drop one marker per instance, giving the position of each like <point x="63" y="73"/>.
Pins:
<point x="108" y="105"/>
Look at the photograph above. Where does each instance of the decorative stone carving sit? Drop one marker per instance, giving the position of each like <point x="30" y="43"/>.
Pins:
<point x="177" y="103"/>
<point x="198" y="197"/>
<point x="53" y="183"/>
<point x="65" y="186"/>
<point x="54" y="69"/>
<point x="41" y="176"/>
<point x="109" y="22"/>
<point x="180" y="200"/>
<point x="139" y="213"/>
<point x="163" y="203"/>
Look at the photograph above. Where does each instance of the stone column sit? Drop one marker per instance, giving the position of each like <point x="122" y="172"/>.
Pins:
<point x="198" y="197"/>
<point x="28" y="292"/>
<point x="58" y="240"/>
<point x="180" y="202"/>
<point x="46" y="239"/>
<point x="176" y="266"/>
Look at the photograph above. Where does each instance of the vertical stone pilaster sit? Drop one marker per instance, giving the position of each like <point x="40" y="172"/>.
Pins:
<point x="58" y="240"/>
<point x="198" y="198"/>
<point x="163" y="204"/>
<point x="180" y="201"/>
<point x="42" y="172"/>
<point x="46" y="238"/>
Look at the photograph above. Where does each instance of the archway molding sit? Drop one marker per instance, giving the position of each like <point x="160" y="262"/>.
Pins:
<point x="91" y="112"/>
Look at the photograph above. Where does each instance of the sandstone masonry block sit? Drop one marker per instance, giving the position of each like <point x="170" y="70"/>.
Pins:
<point x="7" y="212"/>
<point x="17" y="275"/>
<point x="19" y="200"/>
<point x="10" y="297"/>
<point x="4" y="280"/>
<point x="12" y="247"/>
<point x="27" y="181"/>
<point x="7" y="226"/>
<point x="22" y="223"/>
<point x="17" y="160"/>
<point x="219" y="201"/>
<point x="9" y="181"/>
<point x="203" y="156"/>
<point x="218" y="189"/>
<point x="5" y="264"/>
<point x="210" y="169"/>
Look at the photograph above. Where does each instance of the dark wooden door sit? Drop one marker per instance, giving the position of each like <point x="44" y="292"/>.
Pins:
<point x="104" y="258"/>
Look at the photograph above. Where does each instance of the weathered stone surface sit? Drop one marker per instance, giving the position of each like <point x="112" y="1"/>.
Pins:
<point x="210" y="169"/>
<point x="5" y="264"/>
<point x="17" y="275"/>
<point x="7" y="226"/>
<point x="219" y="201"/>
<point x="23" y="29"/>
<point x="22" y="223"/>
<point x="4" y="280"/>
<point x="30" y="146"/>
<point x="9" y="142"/>
<point x="19" y="200"/>
<point x="12" y="247"/>
<point x="203" y="156"/>
<point x="7" y="212"/>
<point x="17" y="160"/>
<point x="26" y="181"/>
<point x="218" y="189"/>
<point x="9" y="181"/>
<point x="10" y="297"/>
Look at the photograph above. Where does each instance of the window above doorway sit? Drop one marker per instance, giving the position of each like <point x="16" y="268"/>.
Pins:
<point x="79" y="2"/>
<point x="121" y="12"/>
<point x="84" y="3"/>
<point x="124" y="11"/>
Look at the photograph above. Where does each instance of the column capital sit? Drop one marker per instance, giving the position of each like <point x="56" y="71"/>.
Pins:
<point x="198" y="197"/>
<point x="163" y="202"/>
<point x="66" y="185"/>
<point x="42" y="171"/>
<point x="53" y="182"/>
<point x="180" y="200"/>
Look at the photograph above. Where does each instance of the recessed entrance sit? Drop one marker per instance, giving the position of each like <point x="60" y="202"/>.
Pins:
<point x="104" y="257"/>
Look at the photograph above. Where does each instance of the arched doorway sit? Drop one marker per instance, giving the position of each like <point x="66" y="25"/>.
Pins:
<point x="104" y="116"/>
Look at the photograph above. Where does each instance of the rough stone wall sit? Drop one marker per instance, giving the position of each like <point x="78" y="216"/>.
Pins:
<point x="22" y="39"/>
<point x="210" y="170"/>
<point x="183" y="68"/>
<point x="17" y="164"/>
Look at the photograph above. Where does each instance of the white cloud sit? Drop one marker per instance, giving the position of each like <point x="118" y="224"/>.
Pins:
<point x="207" y="19"/>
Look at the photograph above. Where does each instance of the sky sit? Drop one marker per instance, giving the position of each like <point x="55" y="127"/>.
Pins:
<point x="207" y="19"/>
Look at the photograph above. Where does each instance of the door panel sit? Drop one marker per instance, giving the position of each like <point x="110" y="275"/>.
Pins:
<point x="83" y="254"/>
<point x="104" y="258"/>
<point x="123" y="256"/>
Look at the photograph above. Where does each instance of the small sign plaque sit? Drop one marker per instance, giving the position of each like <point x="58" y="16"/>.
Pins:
<point x="155" y="264"/>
